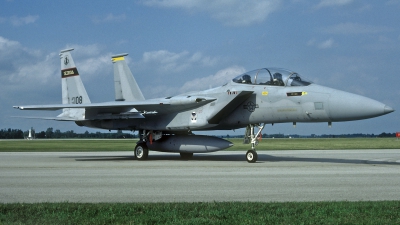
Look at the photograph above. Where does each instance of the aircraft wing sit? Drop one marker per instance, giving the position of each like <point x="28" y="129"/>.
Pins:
<point x="129" y="109"/>
<point x="47" y="118"/>
<point x="66" y="117"/>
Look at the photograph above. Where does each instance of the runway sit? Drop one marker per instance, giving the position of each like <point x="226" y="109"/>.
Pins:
<point x="278" y="176"/>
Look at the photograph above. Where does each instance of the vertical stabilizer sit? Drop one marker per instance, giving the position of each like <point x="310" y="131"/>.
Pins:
<point x="126" y="88"/>
<point x="73" y="91"/>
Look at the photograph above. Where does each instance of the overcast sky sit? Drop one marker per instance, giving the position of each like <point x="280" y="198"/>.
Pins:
<point x="351" y="45"/>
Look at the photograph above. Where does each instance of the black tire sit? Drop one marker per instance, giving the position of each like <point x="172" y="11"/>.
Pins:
<point x="141" y="152"/>
<point x="251" y="156"/>
<point x="186" y="155"/>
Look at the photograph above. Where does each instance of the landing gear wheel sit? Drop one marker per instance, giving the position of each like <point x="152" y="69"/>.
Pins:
<point x="251" y="156"/>
<point x="186" y="155"/>
<point x="141" y="152"/>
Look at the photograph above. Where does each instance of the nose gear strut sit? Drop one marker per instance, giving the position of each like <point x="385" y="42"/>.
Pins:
<point x="250" y="137"/>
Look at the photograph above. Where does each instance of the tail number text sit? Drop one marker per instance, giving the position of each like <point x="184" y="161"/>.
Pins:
<point x="77" y="100"/>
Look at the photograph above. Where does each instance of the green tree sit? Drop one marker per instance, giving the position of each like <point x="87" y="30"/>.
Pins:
<point x="49" y="132"/>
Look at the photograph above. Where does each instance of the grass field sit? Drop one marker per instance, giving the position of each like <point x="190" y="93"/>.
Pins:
<point x="69" y="145"/>
<point x="385" y="212"/>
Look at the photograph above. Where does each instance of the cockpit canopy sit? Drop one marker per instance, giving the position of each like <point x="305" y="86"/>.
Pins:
<point x="271" y="76"/>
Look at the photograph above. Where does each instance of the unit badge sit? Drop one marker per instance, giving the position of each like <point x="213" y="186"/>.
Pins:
<point x="251" y="106"/>
<point x="193" y="117"/>
<point x="66" y="61"/>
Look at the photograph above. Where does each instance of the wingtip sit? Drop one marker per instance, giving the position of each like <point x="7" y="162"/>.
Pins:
<point x="66" y="50"/>
<point x="119" y="55"/>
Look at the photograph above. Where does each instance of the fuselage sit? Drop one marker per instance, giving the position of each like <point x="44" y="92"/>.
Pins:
<point x="266" y="104"/>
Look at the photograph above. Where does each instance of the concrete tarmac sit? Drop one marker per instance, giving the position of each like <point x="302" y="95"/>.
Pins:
<point x="278" y="176"/>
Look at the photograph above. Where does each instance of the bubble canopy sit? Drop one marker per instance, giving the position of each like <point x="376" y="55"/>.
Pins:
<point x="272" y="77"/>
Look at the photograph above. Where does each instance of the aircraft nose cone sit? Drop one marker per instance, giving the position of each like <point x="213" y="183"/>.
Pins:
<point x="388" y="109"/>
<point x="346" y="106"/>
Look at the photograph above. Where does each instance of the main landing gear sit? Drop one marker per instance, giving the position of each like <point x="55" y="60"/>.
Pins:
<point x="250" y="137"/>
<point x="141" y="149"/>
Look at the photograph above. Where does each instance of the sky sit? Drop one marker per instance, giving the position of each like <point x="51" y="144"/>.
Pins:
<point x="176" y="46"/>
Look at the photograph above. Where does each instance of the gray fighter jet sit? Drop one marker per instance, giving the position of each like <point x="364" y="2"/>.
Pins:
<point x="251" y="100"/>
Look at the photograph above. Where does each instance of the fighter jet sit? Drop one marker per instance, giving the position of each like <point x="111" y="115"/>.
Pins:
<point x="250" y="100"/>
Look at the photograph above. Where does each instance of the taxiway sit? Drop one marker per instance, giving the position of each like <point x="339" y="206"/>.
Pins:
<point x="329" y="175"/>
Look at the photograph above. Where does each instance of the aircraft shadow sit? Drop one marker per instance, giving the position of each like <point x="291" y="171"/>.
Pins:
<point x="166" y="157"/>
<point x="100" y="158"/>
<point x="324" y="160"/>
<point x="262" y="158"/>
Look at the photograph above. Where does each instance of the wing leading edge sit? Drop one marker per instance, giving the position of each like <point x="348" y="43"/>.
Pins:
<point x="129" y="109"/>
<point x="225" y="109"/>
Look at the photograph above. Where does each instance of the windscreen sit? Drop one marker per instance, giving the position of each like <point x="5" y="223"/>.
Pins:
<point x="272" y="77"/>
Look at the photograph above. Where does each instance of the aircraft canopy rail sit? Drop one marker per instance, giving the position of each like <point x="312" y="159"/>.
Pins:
<point x="271" y="76"/>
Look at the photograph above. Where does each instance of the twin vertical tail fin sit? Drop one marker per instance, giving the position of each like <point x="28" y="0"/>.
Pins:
<point x="126" y="88"/>
<point x="73" y="91"/>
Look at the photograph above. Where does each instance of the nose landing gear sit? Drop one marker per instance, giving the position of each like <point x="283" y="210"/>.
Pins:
<point x="250" y="137"/>
<point x="251" y="156"/>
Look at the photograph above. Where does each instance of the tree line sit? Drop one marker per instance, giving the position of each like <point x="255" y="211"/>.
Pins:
<point x="51" y="133"/>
